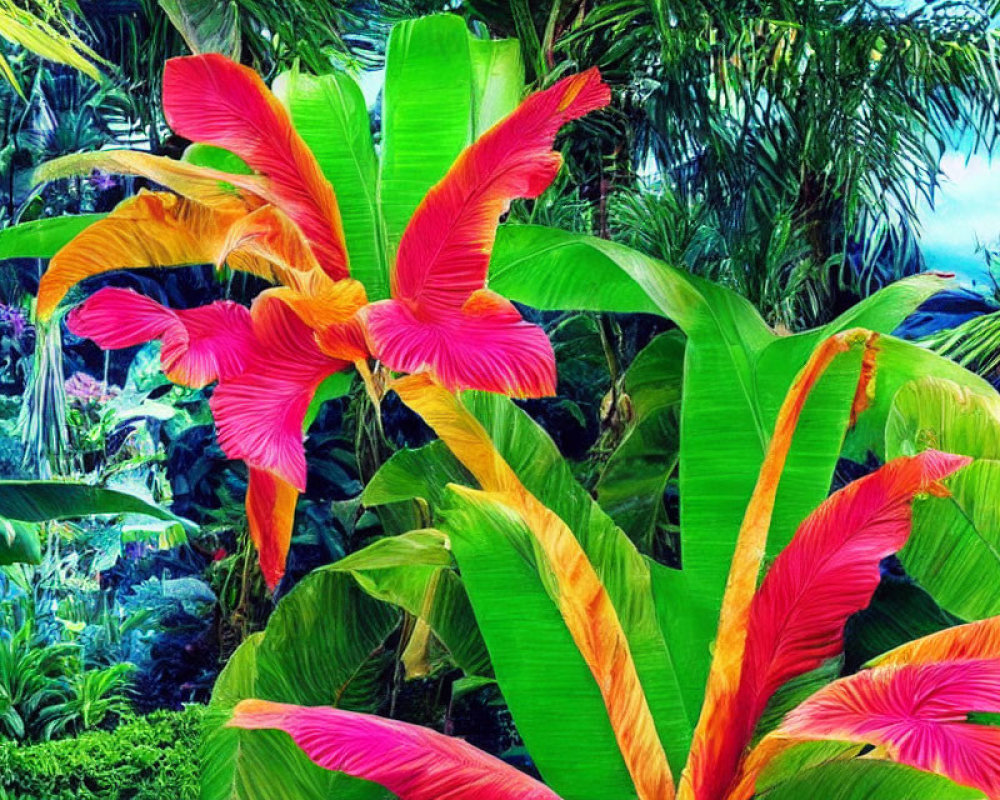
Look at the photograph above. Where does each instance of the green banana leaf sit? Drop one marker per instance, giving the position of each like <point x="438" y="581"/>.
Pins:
<point x="441" y="84"/>
<point x="954" y="550"/>
<point x="322" y="646"/>
<point x="329" y="113"/>
<point x="861" y="780"/>
<point x="43" y="238"/>
<point x="38" y="501"/>
<point x="644" y="593"/>
<point x="736" y="373"/>
<point x="552" y="696"/>
<point x="20" y="542"/>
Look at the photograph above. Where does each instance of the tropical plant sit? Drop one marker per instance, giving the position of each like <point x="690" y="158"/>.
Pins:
<point x="768" y="636"/>
<point x="268" y="210"/>
<point x="797" y="138"/>
<point x="285" y="223"/>
<point x="91" y="697"/>
<point x="33" y="674"/>
<point x="42" y="27"/>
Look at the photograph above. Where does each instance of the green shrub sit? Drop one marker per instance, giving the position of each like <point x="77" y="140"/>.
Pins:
<point x="145" y="758"/>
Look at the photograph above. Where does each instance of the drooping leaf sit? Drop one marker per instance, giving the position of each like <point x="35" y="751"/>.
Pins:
<point x="41" y="37"/>
<point x="955" y="548"/>
<point x="152" y="229"/>
<point x="322" y="646"/>
<point x="38" y="501"/>
<point x="414" y="762"/>
<point x="208" y="26"/>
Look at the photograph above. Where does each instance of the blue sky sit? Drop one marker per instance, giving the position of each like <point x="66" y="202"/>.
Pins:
<point x="967" y="210"/>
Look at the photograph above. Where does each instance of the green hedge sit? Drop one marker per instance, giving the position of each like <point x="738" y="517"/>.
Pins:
<point x="145" y="758"/>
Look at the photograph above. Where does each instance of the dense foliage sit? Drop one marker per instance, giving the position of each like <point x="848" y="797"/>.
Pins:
<point x="524" y="400"/>
<point x="143" y="758"/>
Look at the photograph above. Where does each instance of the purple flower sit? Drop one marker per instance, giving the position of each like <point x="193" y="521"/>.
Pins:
<point x="15" y="318"/>
<point x="102" y="181"/>
<point x="86" y="388"/>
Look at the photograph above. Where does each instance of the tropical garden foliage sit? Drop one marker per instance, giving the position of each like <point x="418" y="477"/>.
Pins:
<point x="494" y="400"/>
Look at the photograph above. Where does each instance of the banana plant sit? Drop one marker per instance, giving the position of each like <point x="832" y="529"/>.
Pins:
<point x="924" y="707"/>
<point x="275" y="214"/>
<point x="25" y="505"/>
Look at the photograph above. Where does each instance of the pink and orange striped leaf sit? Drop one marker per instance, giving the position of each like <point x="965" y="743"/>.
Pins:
<point x="916" y="714"/>
<point x="260" y="413"/>
<point x="828" y="572"/>
<point x="213" y="100"/>
<point x="442" y="318"/>
<point x="412" y="762"/>
<point x="152" y="229"/>
<point x="199" y="345"/>
<point x="270" y="504"/>
<point x="974" y="640"/>
<point x="218" y="342"/>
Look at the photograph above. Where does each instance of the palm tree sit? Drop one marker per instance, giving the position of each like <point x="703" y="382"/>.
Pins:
<point x="796" y="137"/>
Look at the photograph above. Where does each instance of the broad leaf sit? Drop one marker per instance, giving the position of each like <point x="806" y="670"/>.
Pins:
<point x="737" y="371"/>
<point x="208" y="26"/>
<point x="551" y="694"/>
<point x="43" y="238"/>
<point x="497" y="78"/>
<point x="427" y="121"/>
<point x="864" y="780"/>
<point x="955" y="548"/>
<point x="322" y="646"/>
<point x="329" y="113"/>
<point x="645" y="595"/>
<point x="38" y="501"/>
